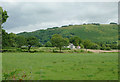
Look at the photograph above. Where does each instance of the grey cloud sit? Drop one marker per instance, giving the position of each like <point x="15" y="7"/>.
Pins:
<point x="31" y="16"/>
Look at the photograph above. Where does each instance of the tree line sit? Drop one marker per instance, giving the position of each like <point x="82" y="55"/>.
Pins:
<point x="17" y="41"/>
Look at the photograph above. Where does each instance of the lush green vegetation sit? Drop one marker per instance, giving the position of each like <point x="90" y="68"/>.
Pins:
<point x="95" y="33"/>
<point x="16" y="41"/>
<point x="45" y="50"/>
<point x="59" y="66"/>
<point x="58" y="41"/>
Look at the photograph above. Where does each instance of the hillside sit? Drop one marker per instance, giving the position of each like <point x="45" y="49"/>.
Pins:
<point x="95" y="33"/>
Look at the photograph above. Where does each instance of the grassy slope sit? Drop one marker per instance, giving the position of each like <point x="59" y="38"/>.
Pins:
<point x="104" y="32"/>
<point x="74" y="66"/>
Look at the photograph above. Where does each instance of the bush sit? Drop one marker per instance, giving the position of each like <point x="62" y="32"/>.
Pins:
<point x="103" y="47"/>
<point x="107" y="48"/>
<point x="89" y="52"/>
<point x="82" y="51"/>
<point x="66" y="49"/>
<point x="8" y="50"/>
<point x="95" y="46"/>
<point x="48" y="44"/>
<point x="114" y="46"/>
<point x="81" y="45"/>
<point x="54" y="51"/>
<point x="113" y="23"/>
<point x="19" y="49"/>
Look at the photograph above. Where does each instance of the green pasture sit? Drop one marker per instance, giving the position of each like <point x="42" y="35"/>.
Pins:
<point x="60" y="66"/>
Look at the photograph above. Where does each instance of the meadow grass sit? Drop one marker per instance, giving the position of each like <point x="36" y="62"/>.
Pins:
<point x="61" y="66"/>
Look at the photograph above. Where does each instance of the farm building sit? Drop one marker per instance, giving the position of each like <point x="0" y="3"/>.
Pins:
<point x="78" y="47"/>
<point x="71" y="46"/>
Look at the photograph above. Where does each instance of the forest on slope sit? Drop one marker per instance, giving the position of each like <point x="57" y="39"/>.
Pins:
<point x="94" y="32"/>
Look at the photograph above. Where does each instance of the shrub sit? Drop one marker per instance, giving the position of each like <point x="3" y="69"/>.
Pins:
<point x="82" y="50"/>
<point x="8" y="50"/>
<point x="95" y="46"/>
<point x="103" y="47"/>
<point x="107" y="48"/>
<point x="66" y="49"/>
<point x="81" y="45"/>
<point x="19" y="49"/>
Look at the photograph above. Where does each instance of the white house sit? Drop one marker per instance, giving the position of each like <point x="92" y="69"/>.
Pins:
<point x="78" y="47"/>
<point x="71" y="46"/>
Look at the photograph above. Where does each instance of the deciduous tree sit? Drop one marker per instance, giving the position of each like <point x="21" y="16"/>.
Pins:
<point x="58" y="41"/>
<point x="31" y="41"/>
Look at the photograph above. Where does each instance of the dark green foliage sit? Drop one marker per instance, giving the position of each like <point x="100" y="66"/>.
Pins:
<point x="95" y="23"/>
<point x="87" y="44"/>
<point x="113" y="23"/>
<point x="48" y="44"/>
<point x="103" y="47"/>
<point x="5" y="38"/>
<point x="58" y="41"/>
<point x="65" y="26"/>
<point x="39" y="45"/>
<point x="20" y="41"/>
<point x="55" y="27"/>
<point x="8" y="40"/>
<point x="12" y="38"/>
<point x="75" y="40"/>
<point x="114" y="46"/>
<point x="90" y="45"/>
<point x="81" y="45"/>
<point x="31" y="41"/>
<point x="3" y="16"/>
<point x="66" y="49"/>
<point x="108" y="48"/>
<point x="95" y="46"/>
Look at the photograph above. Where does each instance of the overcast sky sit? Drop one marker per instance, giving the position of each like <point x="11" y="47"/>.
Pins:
<point x="31" y="16"/>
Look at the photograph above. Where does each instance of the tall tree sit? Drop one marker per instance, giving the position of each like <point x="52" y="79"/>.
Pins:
<point x="75" y="40"/>
<point x="20" y="41"/>
<point x="58" y="41"/>
<point x="5" y="39"/>
<point x="48" y="44"/>
<point x="8" y="40"/>
<point x="3" y="16"/>
<point x="4" y="36"/>
<point x="12" y="38"/>
<point x="31" y="41"/>
<point x="87" y="44"/>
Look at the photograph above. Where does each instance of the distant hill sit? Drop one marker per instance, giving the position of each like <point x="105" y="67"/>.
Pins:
<point x="95" y="33"/>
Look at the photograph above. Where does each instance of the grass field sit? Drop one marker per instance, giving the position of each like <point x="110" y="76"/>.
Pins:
<point x="61" y="66"/>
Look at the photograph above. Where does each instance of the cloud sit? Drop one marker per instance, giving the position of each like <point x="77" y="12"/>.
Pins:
<point x="59" y="1"/>
<point x="31" y="16"/>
